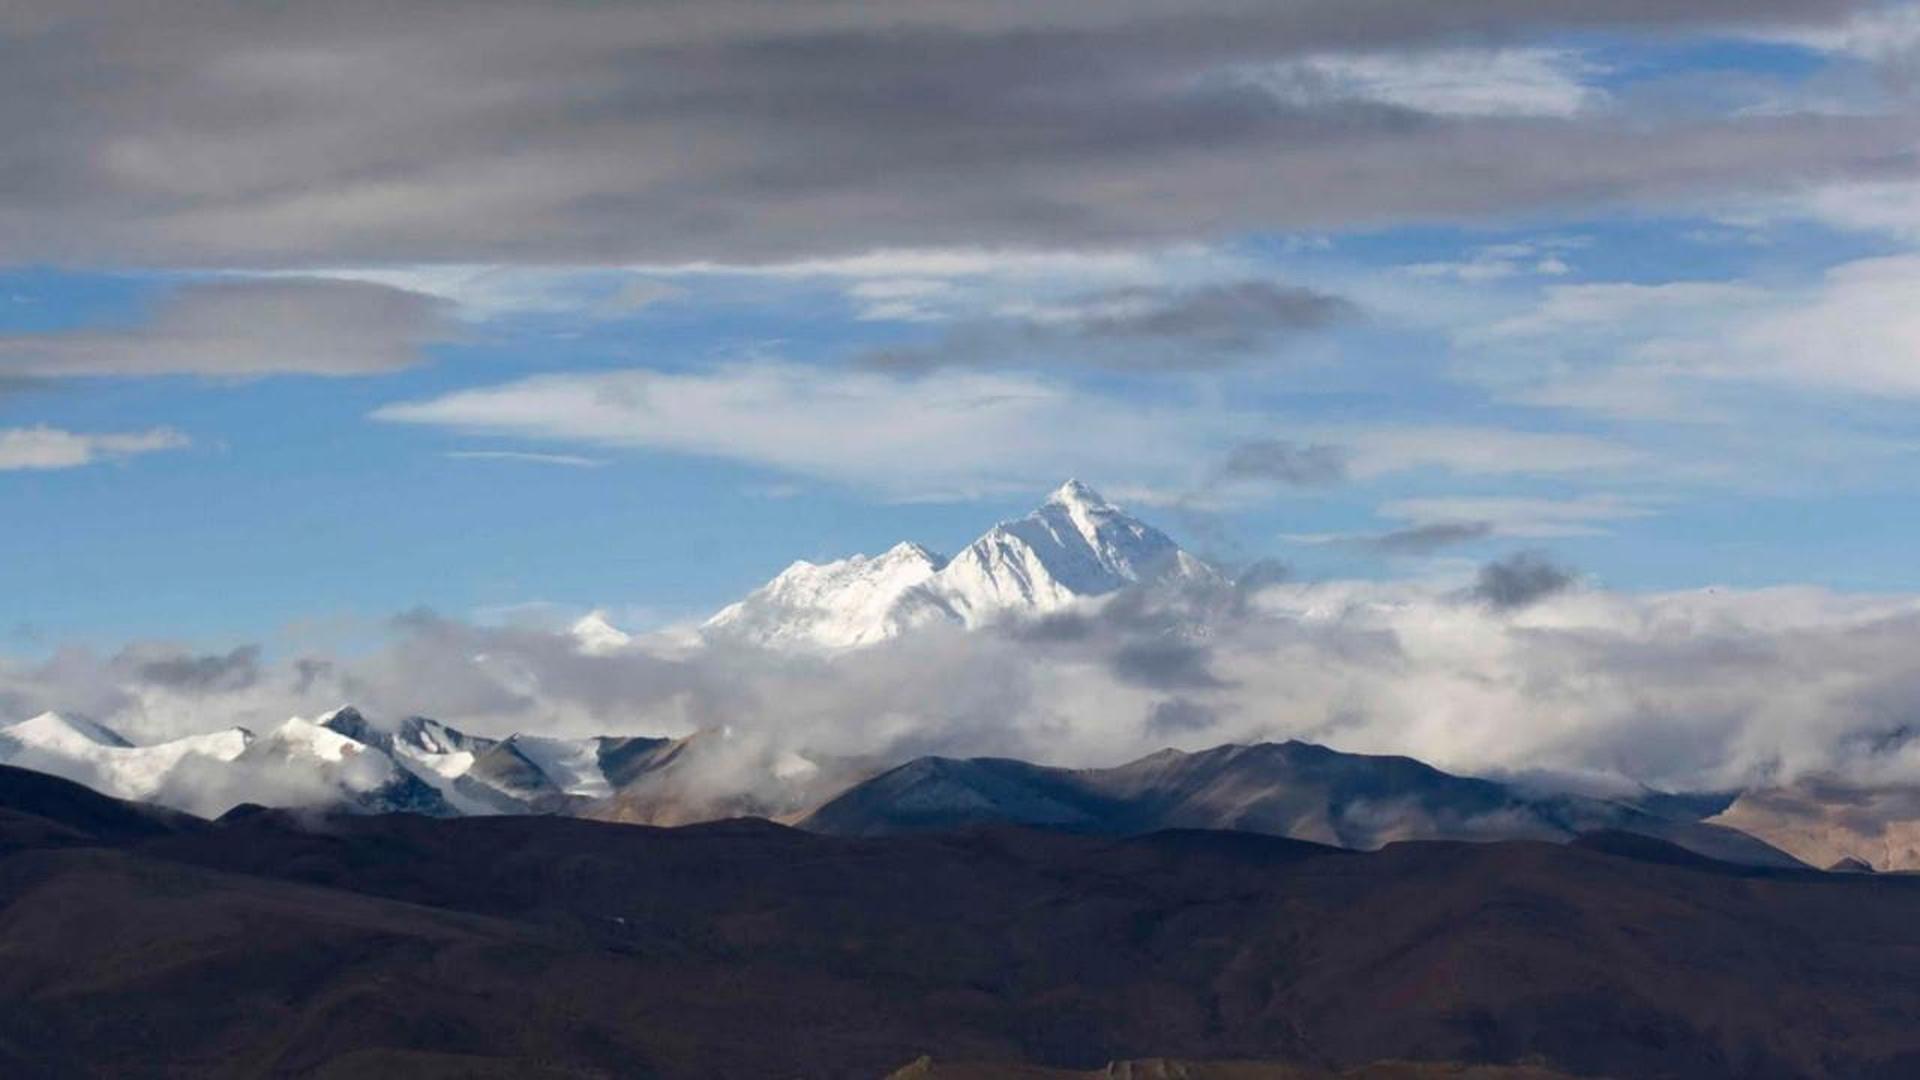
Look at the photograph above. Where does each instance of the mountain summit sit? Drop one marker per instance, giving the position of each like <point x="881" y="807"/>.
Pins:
<point x="1075" y="546"/>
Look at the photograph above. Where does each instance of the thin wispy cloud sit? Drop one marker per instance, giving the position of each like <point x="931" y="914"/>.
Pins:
<point x="242" y="328"/>
<point x="527" y="457"/>
<point x="45" y="448"/>
<point x="964" y="432"/>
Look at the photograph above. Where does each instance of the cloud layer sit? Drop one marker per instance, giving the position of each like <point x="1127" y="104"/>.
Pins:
<point x="231" y="133"/>
<point x="1527" y="671"/>
<point x="238" y="328"/>
<point x="43" y="447"/>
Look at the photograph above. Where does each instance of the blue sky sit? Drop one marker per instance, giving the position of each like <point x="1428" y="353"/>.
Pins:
<point x="234" y="423"/>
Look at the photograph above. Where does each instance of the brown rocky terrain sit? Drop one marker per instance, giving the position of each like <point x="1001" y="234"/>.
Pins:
<point x="134" y="944"/>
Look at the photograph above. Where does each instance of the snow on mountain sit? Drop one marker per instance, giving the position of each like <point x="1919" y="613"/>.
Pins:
<point x="596" y="636"/>
<point x="360" y="776"/>
<point x="573" y="765"/>
<point x="91" y="754"/>
<point x="340" y="760"/>
<point x="1074" y="547"/>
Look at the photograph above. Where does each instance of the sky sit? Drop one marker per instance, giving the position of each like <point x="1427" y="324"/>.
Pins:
<point x="501" y="312"/>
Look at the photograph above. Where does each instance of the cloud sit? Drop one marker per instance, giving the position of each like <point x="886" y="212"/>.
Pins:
<point x="1858" y="331"/>
<point x="1413" y="540"/>
<point x="1133" y="328"/>
<point x="1486" y="451"/>
<point x="1448" y="82"/>
<point x="1699" y="689"/>
<point x="234" y="670"/>
<point x="1498" y="262"/>
<point x="1284" y="462"/>
<point x="961" y="433"/>
<point x="238" y="328"/>
<point x="572" y="461"/>
<point x="1165" y="664"/>
<point x="1520" y="517"/>
<point x="1631" y="348"/>
<point x="948" y="433"/>
<point x="1519" y="580"/>
<point x="1427" y="539"/>
<point x="235" y="134"/>
<point x="53" y="448"/>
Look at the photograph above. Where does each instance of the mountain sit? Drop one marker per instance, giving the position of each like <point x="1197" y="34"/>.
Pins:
<point x="1825" y="821"/>
<point x="708" y="776"/>
<point x="342" y="761"/>
<point x="1076" y="546"/>
<point x="1291" y="789"/>
<point x="398" y="945"/>
<point x="339" y="760"/>
<point x="91" y="754"/>
<point x="324" y="766"/>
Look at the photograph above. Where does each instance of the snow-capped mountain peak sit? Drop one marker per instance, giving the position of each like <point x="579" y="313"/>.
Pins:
<point x="596" y="635"/>
<point x="1076" y="545"/>
<point x="101" y="758"/>
<point x="51" y="730"/>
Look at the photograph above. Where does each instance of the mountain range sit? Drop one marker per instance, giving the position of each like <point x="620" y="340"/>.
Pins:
<point x="141" y="943"/>
<point x="341" y="761"/>
<point x="1075" y="547"/>
<point x="1293" y="789"/>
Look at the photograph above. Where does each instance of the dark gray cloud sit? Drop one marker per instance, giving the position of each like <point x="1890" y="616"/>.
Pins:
<point x="1421" y="539"/>
<point x="1520" y="579"/>
<point x="1137" y="328"/>
<point x="247" y="327"/>
<point x="1167" y="663"/>
<point x="1180" y="716"/>
<point x="224" y="132"/>
<point x="207" y="673"/>
<point x="1284" y="462"/>
<point x="1227" y="316"/>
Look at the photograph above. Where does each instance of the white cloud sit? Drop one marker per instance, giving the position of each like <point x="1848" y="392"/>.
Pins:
<point x="1694" y="689"/>
<point x="947" y="434"/>
<point x="1890" y="207"/>
<point x="1485" y="451"/>
<point x="1543" y="82"/>
<point x="1859" y="330"/>
<point x="569" y="460"/>
<point x="52" y="448"/>
<point x="482" y="292"/>
<point x="1498" y="262"/>
<point x="1630" y="348"/>
<point x="952" y="433"/>
<point x="1520" y="517"/>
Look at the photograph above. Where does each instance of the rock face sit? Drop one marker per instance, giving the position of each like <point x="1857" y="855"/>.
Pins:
<point x="1823" y="821"/>
<point x="1075" y="547"/>
<point x="398" y="945"/>
<point x="1292" y="789"/>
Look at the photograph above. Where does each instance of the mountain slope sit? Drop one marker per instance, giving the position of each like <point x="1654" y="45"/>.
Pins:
<point x="1291" y="789"/>
<point x="1825" y="822"/>
<point x="408" y="946"/>
<point x="1075" y="546"/>
<point x="91" y="754"/>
